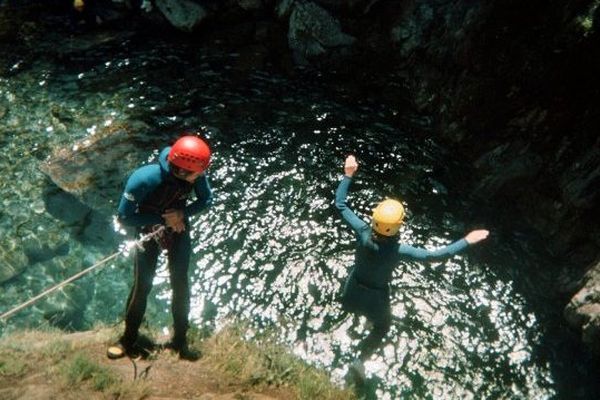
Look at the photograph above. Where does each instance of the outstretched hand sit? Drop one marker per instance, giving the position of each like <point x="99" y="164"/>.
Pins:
<point x="477" y="236"/>
<point x="350" y="166"/>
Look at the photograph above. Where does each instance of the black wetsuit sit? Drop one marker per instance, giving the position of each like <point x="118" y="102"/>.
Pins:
<point x="150" y="191"/>
<point x="367" y="291"/>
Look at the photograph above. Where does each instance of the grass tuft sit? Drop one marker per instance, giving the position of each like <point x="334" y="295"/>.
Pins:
<point x="12" y="364"/>
<point x="264" y="361"/>
<point x="79" y="368"/>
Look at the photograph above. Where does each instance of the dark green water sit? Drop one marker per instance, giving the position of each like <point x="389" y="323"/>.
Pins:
<point x="272" y="249"/>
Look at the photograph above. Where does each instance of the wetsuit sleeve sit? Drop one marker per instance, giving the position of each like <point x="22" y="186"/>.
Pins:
<point x="348" y="215"/>
<point x="204" y="197"/>
<point x="432" y="255"/>
<point x="135" y="192"/>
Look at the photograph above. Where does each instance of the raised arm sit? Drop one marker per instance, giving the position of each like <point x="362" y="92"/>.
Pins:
<point x="444" y="252"/>
<point x="341" y="195"/>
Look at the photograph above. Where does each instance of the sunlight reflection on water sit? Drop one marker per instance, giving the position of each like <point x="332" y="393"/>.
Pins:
<point x="272" y="249"/>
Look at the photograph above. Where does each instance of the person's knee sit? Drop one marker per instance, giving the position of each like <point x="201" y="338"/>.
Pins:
<point x="179" y="280"/>
<point x="143" y="286"/>
<point x="180" y="288"/>
<point x="380" y="329"/>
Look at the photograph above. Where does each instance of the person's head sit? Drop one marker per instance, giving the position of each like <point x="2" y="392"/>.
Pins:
<point x="387" y="218"/>
<point x="189" y="157"/>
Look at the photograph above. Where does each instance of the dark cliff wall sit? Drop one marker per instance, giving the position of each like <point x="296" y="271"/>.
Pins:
<point x="517" y="90"/>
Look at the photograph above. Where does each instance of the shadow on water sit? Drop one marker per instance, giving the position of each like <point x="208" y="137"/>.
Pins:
<point x="537" y="275"/>
<point x="272" y="249"/>
<point x="86" y="225"/>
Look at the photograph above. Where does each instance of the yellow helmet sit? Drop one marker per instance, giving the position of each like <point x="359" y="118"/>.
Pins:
<point x="387" y="217"/>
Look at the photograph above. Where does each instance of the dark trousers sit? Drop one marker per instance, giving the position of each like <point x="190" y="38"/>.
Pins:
<point x="178" y="251"/>
<point x="373" y="340"/>
<point x="374" y="304"/>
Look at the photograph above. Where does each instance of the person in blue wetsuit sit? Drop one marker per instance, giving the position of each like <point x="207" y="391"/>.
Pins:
<point x="378" y="252"/>
<point x="155" y="195"/>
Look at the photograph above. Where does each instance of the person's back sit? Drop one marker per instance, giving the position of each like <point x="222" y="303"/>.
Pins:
<point x="376" y="258"/>
<point x="378" y="253"/>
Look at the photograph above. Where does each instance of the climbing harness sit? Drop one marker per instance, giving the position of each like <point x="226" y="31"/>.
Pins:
<point x="126" y="248"/>
<point x="164" y="238"/>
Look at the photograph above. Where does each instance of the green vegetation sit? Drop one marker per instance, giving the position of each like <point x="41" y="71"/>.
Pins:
<point x="263" y="361"/>
<point x="11" y="364"/>
<point x="78" y="368"/>
<point x="75" y="366"/>
<point x="48" y="357"/>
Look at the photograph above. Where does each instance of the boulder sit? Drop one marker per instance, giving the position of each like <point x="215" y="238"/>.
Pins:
<point x="284" y="8"/>
<point x="94" y="169"/>
<point x="579" y="184"/>
<point x="410" y="31"/>
<point x="250" y="5"/>
<point x="3" y="108"/>
<point x="505" y="166"/>
<point x="583" y="311"/>
<point x="313" y="32"/>
<point x="184" y="15"/>
<point x="13" y="259"/>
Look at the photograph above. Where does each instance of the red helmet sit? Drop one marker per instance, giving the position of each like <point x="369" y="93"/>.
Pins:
<point x="190" y="153"/>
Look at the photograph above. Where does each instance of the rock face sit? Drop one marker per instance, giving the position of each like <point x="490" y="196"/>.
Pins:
<point x="13" y="260"/>
<point x="313" y="32"/>
<point x="182" y="14"/>
<point x="583" y="311"/>
<point x="512" y="87"/>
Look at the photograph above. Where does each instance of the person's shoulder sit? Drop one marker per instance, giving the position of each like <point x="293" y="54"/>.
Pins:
<point x="364" y="232"/>
<point x="148" y="175"/>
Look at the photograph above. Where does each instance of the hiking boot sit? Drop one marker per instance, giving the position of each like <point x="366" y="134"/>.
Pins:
<point x="184" y="352"/>
<point x="120" y="350"/>
<point x="142" y="347"/>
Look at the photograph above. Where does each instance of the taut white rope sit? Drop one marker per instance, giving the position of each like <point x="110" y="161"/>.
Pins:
<point x="137" y="243"/>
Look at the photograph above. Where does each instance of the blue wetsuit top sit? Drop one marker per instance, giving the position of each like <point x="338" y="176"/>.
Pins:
<point x="152" y="189"/>
<point x="375" y="259"/>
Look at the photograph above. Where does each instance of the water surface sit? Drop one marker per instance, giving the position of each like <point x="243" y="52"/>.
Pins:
<point x="272" y="249"/>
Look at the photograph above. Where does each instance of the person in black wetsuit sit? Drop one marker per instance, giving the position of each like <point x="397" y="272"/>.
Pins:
<point x="378" y="252"/>
<point x="155" y="195"/>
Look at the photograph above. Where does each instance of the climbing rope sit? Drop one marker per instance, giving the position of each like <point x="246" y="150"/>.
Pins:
<point x="128" y="246"/>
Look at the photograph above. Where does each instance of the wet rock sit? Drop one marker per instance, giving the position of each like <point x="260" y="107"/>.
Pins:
<point x="94" y="169"/>
<point x="13" y="260"/>
<point x="313" y="32"/>
<point x="580" y="184"/>
<point x="346" y="6"/>
<point x="249" y="5"/>
<point x="65" y="206"/>
<point x="3" y="109"/>
<point x="284" y="8"/>
<point x="65" y="309"/>
<point x="409" y="33"/>
<point x="182" y="14"/>
<point x="45" y="252"/>
<point x="583" y="311"/>
<point x="505" y="166"/>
